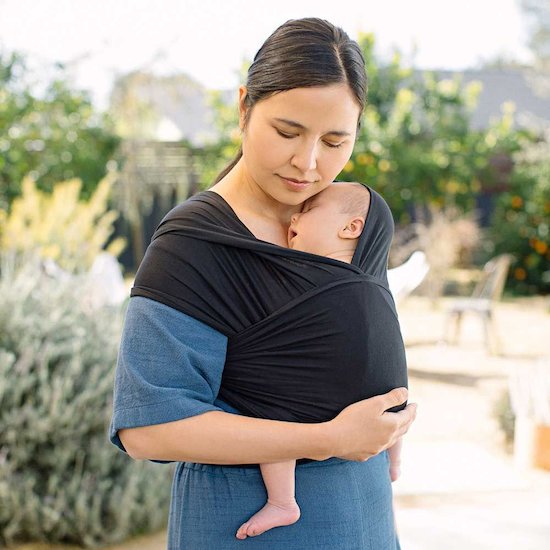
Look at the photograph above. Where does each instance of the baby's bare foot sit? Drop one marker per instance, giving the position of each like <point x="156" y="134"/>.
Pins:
<point x="271" y="515"/>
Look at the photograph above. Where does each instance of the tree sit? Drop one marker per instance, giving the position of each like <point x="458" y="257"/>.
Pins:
<point x="416" y="144"/>
<point x="53" y="137"/>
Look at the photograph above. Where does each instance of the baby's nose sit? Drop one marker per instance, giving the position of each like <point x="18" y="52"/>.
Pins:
<point x="294" y="217"/>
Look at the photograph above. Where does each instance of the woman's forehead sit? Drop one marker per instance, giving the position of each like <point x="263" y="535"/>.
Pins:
<point x="332" y="107"/>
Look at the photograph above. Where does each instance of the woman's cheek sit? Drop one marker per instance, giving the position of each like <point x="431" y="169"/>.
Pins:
<point x="271" y="153"/>
<point x="343" y="159"/>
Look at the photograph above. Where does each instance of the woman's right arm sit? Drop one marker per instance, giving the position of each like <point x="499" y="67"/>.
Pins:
<point x="359" y="432"/>
<point x="167" y="379"/>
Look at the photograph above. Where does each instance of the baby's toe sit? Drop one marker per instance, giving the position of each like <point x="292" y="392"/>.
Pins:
<point x="242" y="531"/>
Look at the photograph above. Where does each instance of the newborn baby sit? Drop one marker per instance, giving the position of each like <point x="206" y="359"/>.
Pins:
<point x="330" y="225"/>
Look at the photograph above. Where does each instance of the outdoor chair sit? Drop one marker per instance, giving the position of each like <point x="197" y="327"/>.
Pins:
<point x="486" y="293"/>
<point x="404" y="278"/>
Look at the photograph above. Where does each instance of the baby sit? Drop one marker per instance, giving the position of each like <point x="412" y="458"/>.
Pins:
<point x="329" y="225"/>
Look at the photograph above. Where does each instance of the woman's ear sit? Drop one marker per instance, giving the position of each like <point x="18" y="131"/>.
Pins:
<point x="242" y="106"/>
<point x="353" y="228"/>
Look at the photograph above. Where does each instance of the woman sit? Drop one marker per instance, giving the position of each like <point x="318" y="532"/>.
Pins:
<point x="299" y="114"/>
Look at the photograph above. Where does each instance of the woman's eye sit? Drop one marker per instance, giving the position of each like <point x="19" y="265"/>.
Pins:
<point x="282" y="134"/>
<point x="290" y="136"/>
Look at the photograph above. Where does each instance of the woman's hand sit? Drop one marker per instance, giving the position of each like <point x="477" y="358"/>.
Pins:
<point x="364" y="429"/>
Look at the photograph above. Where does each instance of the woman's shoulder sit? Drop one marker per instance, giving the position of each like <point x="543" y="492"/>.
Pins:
<point x="204" y="208"/>
<point x="164" y="314"/>
<point x="203" y="202"/>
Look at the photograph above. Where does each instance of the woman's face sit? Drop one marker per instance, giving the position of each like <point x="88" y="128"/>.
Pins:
<point x="296" y="142"/>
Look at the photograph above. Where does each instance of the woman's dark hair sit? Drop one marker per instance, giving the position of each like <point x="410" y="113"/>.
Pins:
<point x="304" y="53"/>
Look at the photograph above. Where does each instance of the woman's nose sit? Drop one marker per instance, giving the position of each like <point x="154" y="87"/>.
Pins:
<point x="305" y="159"/>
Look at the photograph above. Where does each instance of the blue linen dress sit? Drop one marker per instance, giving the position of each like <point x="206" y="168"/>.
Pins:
<point x="169" y="368"/>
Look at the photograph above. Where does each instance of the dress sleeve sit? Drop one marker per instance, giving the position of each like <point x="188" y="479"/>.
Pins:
<point x="169" y="367"/>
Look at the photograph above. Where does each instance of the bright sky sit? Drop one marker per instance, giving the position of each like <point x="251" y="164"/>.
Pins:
<point x="208" y="39"/>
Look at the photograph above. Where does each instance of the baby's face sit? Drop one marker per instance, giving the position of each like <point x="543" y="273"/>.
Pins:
<point x="316" y="228"/>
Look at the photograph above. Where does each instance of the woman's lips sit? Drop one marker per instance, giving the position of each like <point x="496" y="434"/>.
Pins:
<point x="295" y="184"/>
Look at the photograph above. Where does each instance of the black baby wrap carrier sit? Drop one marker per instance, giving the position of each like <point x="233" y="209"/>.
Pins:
<point x="307" y="335"/>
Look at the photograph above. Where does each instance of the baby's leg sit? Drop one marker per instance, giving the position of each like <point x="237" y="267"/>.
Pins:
<point x="281" y="507"/>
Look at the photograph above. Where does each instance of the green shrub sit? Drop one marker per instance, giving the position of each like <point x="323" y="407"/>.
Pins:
<point x="520" y="223"/>
<point x="60" y="226"/>
<point x="61" y="480"/>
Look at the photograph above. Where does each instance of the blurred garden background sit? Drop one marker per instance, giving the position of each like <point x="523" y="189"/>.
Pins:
<point x="462" y="156"/>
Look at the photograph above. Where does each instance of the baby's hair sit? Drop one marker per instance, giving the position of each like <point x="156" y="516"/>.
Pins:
<point x="355" y="198"/>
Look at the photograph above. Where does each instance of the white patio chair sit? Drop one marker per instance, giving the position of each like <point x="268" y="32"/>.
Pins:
<point x="404" y="278"/>
<point x="486" y="293"/>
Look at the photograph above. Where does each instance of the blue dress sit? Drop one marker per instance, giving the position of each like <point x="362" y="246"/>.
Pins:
<point x="169" y="368"/>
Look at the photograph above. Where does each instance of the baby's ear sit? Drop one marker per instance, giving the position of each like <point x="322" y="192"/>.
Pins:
<point x="353" y="228"/>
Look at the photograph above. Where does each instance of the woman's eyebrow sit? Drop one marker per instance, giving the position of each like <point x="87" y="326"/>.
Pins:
<point x="295" y="124"/>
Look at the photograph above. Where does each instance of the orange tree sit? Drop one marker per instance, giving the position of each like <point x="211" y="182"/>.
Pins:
<point x="521" y="221"/>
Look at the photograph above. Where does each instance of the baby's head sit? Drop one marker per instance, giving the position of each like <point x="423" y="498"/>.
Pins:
<point x="331" y="221"/>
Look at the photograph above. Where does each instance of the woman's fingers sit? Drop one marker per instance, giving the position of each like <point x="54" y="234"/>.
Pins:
<point x="405" y="418"/>
<point x="364" y="429"/>
<point x="393" y="398"/>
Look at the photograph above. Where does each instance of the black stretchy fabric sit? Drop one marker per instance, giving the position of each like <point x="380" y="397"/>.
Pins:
<point x="307" y="335"/>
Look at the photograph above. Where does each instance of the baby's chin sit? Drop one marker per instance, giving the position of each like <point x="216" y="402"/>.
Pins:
<point x="290" y="243"/>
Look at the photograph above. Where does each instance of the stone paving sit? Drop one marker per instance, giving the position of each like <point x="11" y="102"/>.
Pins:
<point x="460" y="487"/>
